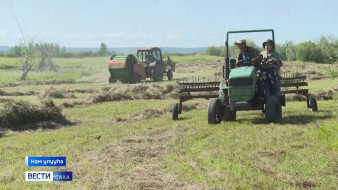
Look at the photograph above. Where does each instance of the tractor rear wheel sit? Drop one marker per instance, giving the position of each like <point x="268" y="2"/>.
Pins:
<point x="215" y="112"/>
<point x="175" y="111"/>
<point x="273" y="109"/>
<point x="313" y="104"/>
<point x="170" y="74"/>
<point x="158" y="72"/>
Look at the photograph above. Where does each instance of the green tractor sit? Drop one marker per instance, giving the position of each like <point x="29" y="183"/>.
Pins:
<point x="242" y="90"/>
<point x="148" y="64"/>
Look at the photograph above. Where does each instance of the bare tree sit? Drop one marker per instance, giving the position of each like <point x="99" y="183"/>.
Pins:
<point x="29" y="54"/>
<point x="29" y="59"/>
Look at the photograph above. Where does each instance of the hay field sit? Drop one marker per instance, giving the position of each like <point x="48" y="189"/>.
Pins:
<point x="121" y="136"/>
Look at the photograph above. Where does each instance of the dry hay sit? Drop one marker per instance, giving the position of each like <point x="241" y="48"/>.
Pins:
<point x="15" y="113"/>
<point x="48" y="82"/>
<point x="294" y="97"/>
<point x="135" y="92"/>
<point x="156" y="113"/>
<point x="15" y="93"/>
<point x="325" y="94"/>
<point x="134" y="162"/>
<point x="2" y="92"/>
<point x="55" y="93"/>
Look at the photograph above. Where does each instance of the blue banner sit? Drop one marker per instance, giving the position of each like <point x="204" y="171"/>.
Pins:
<point x="62" y="176"/>
<point x="45" y="161"/>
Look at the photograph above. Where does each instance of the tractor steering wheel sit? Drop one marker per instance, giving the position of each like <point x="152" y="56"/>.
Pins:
<point x="242" y="63"/>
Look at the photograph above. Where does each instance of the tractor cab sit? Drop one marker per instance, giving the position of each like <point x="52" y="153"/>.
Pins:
<point x="149" y="56"/>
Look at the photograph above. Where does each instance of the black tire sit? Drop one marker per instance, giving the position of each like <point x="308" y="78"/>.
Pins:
<point x="158" y="72"/>
<point x="273" y="109"/>
<point x="170" y="74"/>
<point x="135" y="78"/>
<point x="175" y="111"/>
<point x="111" y="80"/>
<point x="313" y="104"/>
<point x="229" y="115"/>
<point x="215" y="112"/>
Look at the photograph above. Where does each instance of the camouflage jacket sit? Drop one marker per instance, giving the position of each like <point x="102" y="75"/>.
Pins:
<point x="250" y="53"/>
<point x="264" y="56"/>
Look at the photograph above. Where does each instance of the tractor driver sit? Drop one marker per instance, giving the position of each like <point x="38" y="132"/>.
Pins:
<point x="246" y="53"/>
<point x="270" y="64"/>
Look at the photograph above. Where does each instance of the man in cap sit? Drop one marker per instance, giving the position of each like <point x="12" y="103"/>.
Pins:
<point x="246" y="53"/>
<point x="270" y="64"/>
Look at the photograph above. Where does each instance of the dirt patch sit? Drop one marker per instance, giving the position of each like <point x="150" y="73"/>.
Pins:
<point x="15" y="114"/>
<point x="306" y="184"/>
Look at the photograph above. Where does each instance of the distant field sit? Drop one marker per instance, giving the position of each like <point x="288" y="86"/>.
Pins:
<point x="122" y="136"/>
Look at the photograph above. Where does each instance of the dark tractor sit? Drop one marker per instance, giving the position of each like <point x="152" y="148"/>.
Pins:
<point x="242" y="90"/>
<point x="154" y="64"/>
<point x="148" y="64"/>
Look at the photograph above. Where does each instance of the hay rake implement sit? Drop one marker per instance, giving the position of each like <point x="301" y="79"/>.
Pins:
<point x="290" y="84"/>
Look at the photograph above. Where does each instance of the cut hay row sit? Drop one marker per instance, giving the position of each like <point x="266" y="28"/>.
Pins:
<point x="16" y="113"/>
<point x="136" y="92"/>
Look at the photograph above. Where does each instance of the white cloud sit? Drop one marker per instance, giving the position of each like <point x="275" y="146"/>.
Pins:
<point x="3" y="33"/>
<point x="173" y="36"/>
<point x="114" y="35"/>
<point x="72" y="36"/>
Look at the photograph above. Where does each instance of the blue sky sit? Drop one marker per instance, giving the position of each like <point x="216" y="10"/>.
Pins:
<point x="164" y="23"/>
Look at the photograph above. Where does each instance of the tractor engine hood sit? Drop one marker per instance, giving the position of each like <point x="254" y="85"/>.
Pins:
<point x="242" y="82"/>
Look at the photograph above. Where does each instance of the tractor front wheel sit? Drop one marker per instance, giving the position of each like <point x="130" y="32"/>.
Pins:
<point x="175" y="111"/>
<point x="158" y="72"/>
<point x="170" y="74"/>
<point x="215" y="112"/>
<point x="273" y="109"/>
<point x="313" y="104"/>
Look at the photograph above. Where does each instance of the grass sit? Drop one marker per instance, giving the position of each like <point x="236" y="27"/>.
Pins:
<point x="196" y="59"/>
<point x="110" y="110"/>
<point x="9" y="63"/>
<point x="135" y="144"/>
<point x="68" y="69"/>
<point x="247" y="154"/>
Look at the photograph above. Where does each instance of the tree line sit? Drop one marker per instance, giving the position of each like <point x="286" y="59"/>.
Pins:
<point x="40" y="55"/>
<point x="325" y="50"/>
<point x="54" y="50"/>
